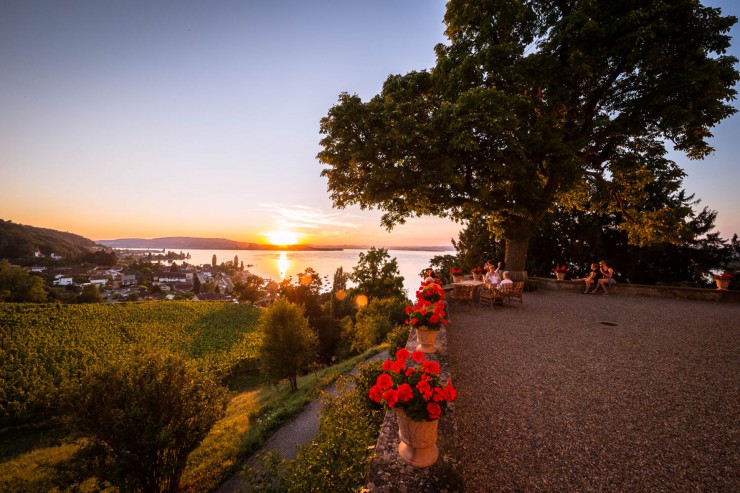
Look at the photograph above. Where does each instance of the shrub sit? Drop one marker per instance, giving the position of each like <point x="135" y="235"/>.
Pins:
<point x="398" y="338"/>
<point x="150" y="412"/>
<point x="376" y="320"/>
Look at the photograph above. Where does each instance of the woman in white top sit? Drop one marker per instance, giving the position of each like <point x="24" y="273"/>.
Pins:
<point x="492" y="278"/>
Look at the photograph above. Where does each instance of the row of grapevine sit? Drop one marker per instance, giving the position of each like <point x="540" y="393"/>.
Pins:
<point x="45" y="347"/>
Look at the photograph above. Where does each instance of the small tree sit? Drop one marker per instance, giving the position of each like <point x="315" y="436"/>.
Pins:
<point x="90" y="294"/>
<point x="341" y="303"/>
<point x="377" y="275"/>
<point x="196" y="284"/>
<point x="213" y="260"/>
<point x="150" y="412"/>
<point x="288" y="344"/>
<point x="250" y="289"/>
<point x="20" y="286"/>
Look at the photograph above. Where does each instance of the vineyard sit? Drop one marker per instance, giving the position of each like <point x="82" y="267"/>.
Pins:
<point x="45" y="347"/>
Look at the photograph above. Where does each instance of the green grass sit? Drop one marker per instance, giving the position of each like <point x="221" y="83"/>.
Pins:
<point x="252" y="415"/>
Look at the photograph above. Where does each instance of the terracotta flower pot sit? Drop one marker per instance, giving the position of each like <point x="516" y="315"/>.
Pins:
<point x="427" y="338"/>
<point x="560" y="276"/>
<point x="457" y="278"/>
<point x="418" y="440"/>
<point x="722" y="283"/>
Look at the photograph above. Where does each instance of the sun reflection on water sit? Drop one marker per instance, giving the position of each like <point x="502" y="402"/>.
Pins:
<point x="283" y="265"/>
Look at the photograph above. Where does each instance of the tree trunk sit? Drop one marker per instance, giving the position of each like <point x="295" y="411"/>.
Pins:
<point x="517" y="232"/>
<point x="516" y="253"/>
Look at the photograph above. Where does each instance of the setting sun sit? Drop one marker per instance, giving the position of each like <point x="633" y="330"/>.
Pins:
<point x="282" y="237"/>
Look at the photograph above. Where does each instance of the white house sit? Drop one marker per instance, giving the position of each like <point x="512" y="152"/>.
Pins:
<point x="63" y="281"/>
<point x="99" y="280"/>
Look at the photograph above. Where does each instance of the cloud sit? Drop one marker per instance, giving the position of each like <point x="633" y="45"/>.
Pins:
<point x="304" y="218"/>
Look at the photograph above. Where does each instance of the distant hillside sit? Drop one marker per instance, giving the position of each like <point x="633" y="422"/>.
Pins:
<point x="18" y="240"/>
<point x="188" y="243"/>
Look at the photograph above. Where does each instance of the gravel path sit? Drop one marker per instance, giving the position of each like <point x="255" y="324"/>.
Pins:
<point x="581" y="393"/>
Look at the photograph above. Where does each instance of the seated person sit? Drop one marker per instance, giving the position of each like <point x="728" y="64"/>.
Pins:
<point x="491" y="278"/>
<point x="505" y="281"/>
<point x="607" y="278"/>
<point x="591" y="279"/>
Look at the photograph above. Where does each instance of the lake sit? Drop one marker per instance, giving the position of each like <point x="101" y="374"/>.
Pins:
<point x="278" y="265"/>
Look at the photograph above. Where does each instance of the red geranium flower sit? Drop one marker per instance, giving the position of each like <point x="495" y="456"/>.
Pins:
<point x="434" y="410"/>
<point x="375" y="393"/>
<point x="405" y="392"/>
<point x="450" y="392"/>
<point x="402" y="354"/>
<point x="417" y="356"/>
<point x="384" y="381"/>
<point x="391" y="397"/>
<point x="439" y="394"/>
<point x="431" y="367"/>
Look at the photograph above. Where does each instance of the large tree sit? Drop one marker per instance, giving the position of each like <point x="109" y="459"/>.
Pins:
<point x="537" y="103"/>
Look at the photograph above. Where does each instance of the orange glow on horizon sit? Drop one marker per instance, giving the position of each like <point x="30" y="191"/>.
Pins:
<point x="282" y="238"/>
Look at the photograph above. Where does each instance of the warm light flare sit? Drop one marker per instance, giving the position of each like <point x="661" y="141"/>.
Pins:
<point x="282" y="238"/>
<point x="361" y="300"/>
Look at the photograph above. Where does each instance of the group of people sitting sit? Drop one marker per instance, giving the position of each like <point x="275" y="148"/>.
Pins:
<point x="601" y="277"/>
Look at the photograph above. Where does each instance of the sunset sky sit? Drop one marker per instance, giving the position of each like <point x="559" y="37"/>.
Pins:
<point x="149" y="119"/>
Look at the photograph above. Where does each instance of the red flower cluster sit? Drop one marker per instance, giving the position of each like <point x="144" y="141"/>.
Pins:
<point x="426" y="313"/>
<point x="477" y="270"/>
<point x="416" y="389"/>
<point x="725" y="276"/>
<point x="455" y="271"/>
<point x="430" y="291"/>
<point x="561" y="268"/>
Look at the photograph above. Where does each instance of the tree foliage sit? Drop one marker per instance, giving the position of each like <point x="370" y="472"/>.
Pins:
<point x="18" y="285"/>
<point x="90" y="294"/>
<point x="374" y="321"/>
<point x="579" y="238"/>
<point x="287" y="344"/>
<point x="150" y="412"/>
<point x="536" y="104"/>
<point x="249" y="289"/>
<point x="377" y="276"/>
<point x="476" y="245"/>
<point x="18" y="241"/>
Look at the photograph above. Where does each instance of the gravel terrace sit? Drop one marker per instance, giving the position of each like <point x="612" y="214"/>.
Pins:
<point x="582" y="393"/>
